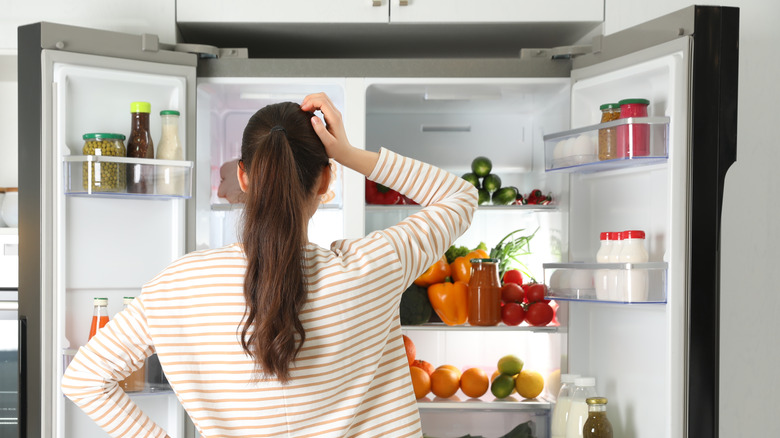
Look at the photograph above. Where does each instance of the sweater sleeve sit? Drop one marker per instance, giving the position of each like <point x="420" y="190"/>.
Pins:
<point x="449" y="205"/>
<point x="92" y="379"/>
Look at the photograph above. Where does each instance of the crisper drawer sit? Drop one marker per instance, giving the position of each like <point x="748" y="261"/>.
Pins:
<point x="495" y="423"/>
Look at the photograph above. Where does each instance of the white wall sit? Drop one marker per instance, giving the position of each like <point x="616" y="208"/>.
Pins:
<point x="750" y="292"/>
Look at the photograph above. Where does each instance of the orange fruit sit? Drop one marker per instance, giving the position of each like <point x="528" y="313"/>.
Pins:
<point x="529" y="384"/>
<point x="411" y="351"/>
<point x="420" y="381"/>
<point x="451" y="367"/>
<point x="474" y="382"/>
<point x="426" y="366"/>
<point x="444" y="382"/>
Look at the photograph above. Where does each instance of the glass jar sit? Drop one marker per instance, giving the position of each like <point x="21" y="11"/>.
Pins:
<point x="103" y="176"/>
<point x="597" y="425"/>
<point x="140" y="145"/>
<point x="633" y="139"/>
<point x="484" y="293"/>
<point x="608" y="136"/>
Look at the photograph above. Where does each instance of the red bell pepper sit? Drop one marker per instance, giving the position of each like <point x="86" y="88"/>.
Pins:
<point x="379" y="194"/>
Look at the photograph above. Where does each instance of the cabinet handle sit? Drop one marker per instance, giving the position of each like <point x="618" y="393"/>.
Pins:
<point x="376" y="2"/>
<point x="403" y="2"/>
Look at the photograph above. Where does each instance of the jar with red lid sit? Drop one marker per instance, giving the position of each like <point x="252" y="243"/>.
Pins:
<point x="633" y="139"/>
<point x="484" y="293"/>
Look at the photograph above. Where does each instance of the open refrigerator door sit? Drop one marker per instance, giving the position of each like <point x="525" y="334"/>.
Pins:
<point x="97" y="240"/>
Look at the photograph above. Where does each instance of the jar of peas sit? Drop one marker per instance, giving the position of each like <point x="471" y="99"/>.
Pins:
<point x="104" y="176"/>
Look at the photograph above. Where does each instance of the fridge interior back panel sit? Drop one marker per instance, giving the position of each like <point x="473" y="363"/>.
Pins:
<point x="635" y="351"/>
<point x="225" y="105"/>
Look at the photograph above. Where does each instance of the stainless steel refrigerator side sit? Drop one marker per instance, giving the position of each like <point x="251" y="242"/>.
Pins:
<point x="30" y="224"/>
<point x="714" y="149"/>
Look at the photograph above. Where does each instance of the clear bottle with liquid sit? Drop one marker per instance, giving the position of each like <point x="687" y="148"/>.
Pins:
<point x="597" y="425"/>
<point x="99" y="315"/>
<point x="136" y="380"/>
<point x="169" y="179"/>
<point x="140" y="177"/>
<point x="585" y="387"/>
<point x="562" y="403"/>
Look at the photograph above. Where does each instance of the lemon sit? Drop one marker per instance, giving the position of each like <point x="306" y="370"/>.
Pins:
<point x="502" y="386"/>
<point x="529" y="384"/>
<point x="510" y="364"/>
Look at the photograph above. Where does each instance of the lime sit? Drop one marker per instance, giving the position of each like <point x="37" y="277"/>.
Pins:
<point x="491" y="183"/>
<point x="510" y="364"/>
<point x="484" y="196"/>
<point x="472" y="178"/>
<point x="481" y="166"/>
<point x="502" y="386"/>
<point x="504" y="196"/>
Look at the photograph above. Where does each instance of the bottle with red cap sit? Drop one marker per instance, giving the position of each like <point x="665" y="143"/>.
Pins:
<point x="633" y="251"/>
<point x="601" y="277"/>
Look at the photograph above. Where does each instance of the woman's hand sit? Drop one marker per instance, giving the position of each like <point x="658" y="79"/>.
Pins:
<point x="334" y="136"/>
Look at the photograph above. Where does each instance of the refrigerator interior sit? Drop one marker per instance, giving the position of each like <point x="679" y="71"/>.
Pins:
<point x="224" y="106"/>
<point x="635" y="351"/>
<point x="448" y="123"/>
<point x="109" y="245"/>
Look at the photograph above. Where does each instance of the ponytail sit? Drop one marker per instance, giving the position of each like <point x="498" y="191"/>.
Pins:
<point x="283" y="158"/>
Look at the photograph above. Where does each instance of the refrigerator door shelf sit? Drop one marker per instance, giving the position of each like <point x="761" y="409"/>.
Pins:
<point x="576" y="150"/>
<point x="97" y="175"/>
<point x="624" y="283"/>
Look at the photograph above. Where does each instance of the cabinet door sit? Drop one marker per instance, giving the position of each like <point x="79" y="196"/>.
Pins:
<point x="289" y="11"/>
<point x="495" y="11"/>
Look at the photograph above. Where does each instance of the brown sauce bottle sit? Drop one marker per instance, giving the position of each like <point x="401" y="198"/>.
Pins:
<point x="140" y="177"/>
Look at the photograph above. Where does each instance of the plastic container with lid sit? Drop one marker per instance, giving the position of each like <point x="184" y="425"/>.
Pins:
<point x="615" y="277"/>
<point x="633" y="251"/>
<point x="585" y="387"/>
<point x="608" y="136"/>
<point x="140" y="145"/>
<point x="169" y="180"/>
<point x="601" y="276"/>
<point x="597" y="425"/>
<point x="633" y="139"/>
<point x="484" y="293"/>
<point x="103" y="176"/>
<point x="562" y="403"/>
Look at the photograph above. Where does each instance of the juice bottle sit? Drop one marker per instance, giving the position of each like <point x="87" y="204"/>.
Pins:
<point x="135" y="381"/>
<point x="99" y="315"/>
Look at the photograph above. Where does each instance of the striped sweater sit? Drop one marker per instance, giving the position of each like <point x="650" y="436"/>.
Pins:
<point x="351" y="377"/>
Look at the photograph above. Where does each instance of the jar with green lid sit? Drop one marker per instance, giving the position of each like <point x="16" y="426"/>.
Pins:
<point x="101" y="176"/>
<point x="608" y="136"/>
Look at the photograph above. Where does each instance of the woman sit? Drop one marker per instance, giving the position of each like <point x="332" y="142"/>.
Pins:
<point x="276" y="336"/>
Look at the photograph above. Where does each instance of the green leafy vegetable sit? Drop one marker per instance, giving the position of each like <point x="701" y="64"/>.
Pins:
<point x="509" y="250"/>
<point x="524" y="430"/>
<point x="454" y="252"/>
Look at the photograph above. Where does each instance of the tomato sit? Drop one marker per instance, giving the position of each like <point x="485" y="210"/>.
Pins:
<point x="513" y="276"/>
<point x="534" y="292"/>
<point x="539" y="314"/>
<point x="512" y="313"/>
<point x="512" y="293"/>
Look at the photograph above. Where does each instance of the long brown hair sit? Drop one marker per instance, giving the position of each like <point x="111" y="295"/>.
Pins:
<point x="283" y="158"/>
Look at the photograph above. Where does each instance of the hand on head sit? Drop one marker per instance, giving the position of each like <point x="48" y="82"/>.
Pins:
<point x="332" y="132"/>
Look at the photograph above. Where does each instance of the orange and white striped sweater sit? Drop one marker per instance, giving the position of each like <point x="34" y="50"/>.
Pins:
<point x="351" y="377"/>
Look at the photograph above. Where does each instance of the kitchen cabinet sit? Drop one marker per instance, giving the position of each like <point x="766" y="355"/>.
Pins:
<point x="291" y="11"/>
<point x="495" y="11"/>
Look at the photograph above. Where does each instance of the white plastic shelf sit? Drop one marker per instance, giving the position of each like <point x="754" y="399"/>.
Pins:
<point x="576" y="150"/>
<point x="97" y="175"/>
<point x="487" y="402"/>
<point x="624" y="283"/>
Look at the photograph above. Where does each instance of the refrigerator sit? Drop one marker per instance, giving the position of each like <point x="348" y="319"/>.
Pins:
<point x="655" y="359"/>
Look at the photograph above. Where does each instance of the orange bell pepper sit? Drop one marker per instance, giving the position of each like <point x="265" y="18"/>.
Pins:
<point x="450" y="301"/>
<point x="461" y="266"/>
<point x="436" y="273"/>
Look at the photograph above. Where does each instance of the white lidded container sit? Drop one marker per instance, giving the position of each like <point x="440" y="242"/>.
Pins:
<point x="585" y="387"/>
<point x="562" y="404"/>
<point x="633" y="251"/>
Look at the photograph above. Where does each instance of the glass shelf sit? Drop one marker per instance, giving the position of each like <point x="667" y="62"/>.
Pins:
<point x="624" y="283"/>
<point x="576" y="150"/>
<point x="414" y="208"/>
<point x="487" y="402"/>
<point x="97" y="175"/>
<point x="441" y="327"/>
